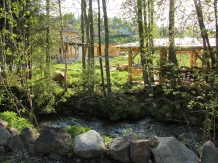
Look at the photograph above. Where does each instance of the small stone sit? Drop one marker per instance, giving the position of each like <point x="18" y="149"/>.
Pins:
<point x="56" y="157"/>
<point x="3" y="123"/>
<point x="20" y="153"/>
<point x="32" y="150"/>
<point x="153" y="141"/>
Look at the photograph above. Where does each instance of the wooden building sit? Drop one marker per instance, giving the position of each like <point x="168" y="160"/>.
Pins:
<point x="191" y="46"/>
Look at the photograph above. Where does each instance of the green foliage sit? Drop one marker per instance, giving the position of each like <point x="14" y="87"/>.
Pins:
<point x="106" y="139"/>
<point x="160" y="110"/>
<point x="74" y="131"/>
<point x="16" y="122"/>
<point x="121" y="108"/>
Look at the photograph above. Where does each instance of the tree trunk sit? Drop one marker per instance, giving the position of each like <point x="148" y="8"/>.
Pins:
<point x="91" y="47"/>
<point x="204" y="35"/>
<point x="48" y="33"/>
<point x="106" y="50"/>
<point x="83" y="12"/>
<point x="216" y="22"/>
<point x="99" y="49"/>
<point x="150" y="49"/>
<point x="63" y="49"/>
<point x="3" y="41"/>
<point x="172" y="54"/>
<point x="87" y="47"/>
<point x="141" y="43"/>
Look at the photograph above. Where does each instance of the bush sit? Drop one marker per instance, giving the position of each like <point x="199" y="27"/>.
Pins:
<point x="16" y="122"/>
<point x="76" y="130"/>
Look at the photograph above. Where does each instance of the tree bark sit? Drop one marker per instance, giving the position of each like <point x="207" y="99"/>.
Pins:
<point x="172" y="53"/>
<point x="99" y="49"/>
<point x="63" y="49"/>
<point x="48" y="32"/>
<point x="83" y="12"/>
<point x="141" y="42"/>
<point x="91" y="33"/>
<point x="106" y="50"/>
<point x="204" y="35"/>
<point x="216" y="22"/>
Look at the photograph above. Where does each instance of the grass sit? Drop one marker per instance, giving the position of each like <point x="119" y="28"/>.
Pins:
<point x="119" y="79"/>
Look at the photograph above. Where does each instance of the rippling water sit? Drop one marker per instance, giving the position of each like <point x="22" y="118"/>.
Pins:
<point x="143" y="127"/>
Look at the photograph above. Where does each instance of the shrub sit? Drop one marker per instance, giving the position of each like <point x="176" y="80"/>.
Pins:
<point x="16" y="122"/>
<point x="76" y="130"/>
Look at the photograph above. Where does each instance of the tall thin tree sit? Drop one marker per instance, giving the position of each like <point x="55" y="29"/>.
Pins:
<point x="109" y="92"/>
<point x="141" y="41"/>
<point x="216" y="24"/>
<point x="63" y="49"/>
<point x="204" y="35"/>
<point x="99" y="49"/>
<point x="83" y="12"/>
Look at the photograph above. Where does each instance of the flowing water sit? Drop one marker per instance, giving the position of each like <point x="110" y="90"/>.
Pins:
<point x="144" y="128"/>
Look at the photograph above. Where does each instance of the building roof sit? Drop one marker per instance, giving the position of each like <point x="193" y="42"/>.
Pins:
<point x="179" y="43"/>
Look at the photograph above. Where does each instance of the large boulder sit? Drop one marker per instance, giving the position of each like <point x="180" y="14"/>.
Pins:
<point x="53" y="140"/>
<point x="4" y="136"/>
<point x="28" y="136"/>
<point x="89" y="145"/>
<point x="208" y="153"/>
<point x="140" y="151"/>
<point x="120" y="149"/>
<point x="170" y="150"/>
<point x="16" y="143"/>
<point x="2" y="150"/>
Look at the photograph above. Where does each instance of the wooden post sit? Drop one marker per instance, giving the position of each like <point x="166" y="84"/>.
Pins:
<point x="130" y="65"/>
<point x="191" y="58"/>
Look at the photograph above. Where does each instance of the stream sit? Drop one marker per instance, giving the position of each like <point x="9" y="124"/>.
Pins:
<point x="144" y="128"/>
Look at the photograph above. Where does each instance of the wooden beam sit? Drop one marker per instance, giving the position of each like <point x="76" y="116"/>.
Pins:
<point x="129" y="66"/>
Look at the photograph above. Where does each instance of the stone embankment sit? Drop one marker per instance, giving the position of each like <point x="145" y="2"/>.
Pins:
<point x="54" y="145"/>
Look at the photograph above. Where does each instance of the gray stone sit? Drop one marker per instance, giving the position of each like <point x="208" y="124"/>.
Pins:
<point x="120" y="149"/>
<point x="208" y="153"/>
<point x="53" y="140"/>
<point x="28" y="136"/>
<point x="2" y="150"/>
<point x="4" y="136"/>
<point x="13" y="131"/>
<point x="89" y="145"/>
<point x="153" y="141"/>
<point x="3" y="123"/>
<point x="140" y="151"/>
<point x="56" y="157"/>
<point x="16" y="143"/>
<point x="32" y="150"/>
<point x="170" y="150"/>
